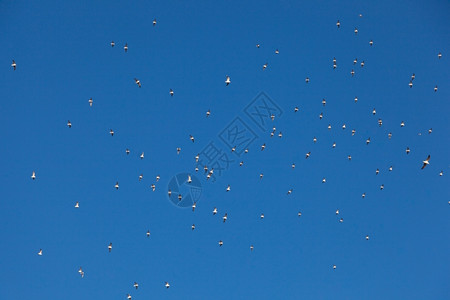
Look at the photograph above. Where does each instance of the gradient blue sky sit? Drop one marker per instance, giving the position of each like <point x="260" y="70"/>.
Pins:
<point x="64" y="58"/>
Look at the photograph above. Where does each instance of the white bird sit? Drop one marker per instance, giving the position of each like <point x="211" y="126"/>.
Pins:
<point x="380" y="122"/>
<point x="353" y="132"/>
<point x="356" y="30"/>
<point x="435" y="88"/>
<point x="276" y="51"/>
<point x="112" y="44"/>
<point x="338" y="24"/>
<point x="193" y="226"/>
<point x="337" y="212"/>
<point x="371" y="43"/>
<point x="426" y="162"/>
<point x="363" y="195"/>
<point x="140" y="177"/>
<point x="374" y="111"/>
<point x="225" y="217"/>
<point x="261" y="175"/>
<point x="153" y="187"/>
<point x="307" y="79"/>
<point x="69" y="124"/>
<point x="111" y="132"/>
<point x="407" y="150"/>
<point x="324" y="180"/>
<point x="308" y="154"/>
<point x="227" y="80"/>
<point x="125" y="48"/>
<point x="33" y="175"/>
<point x="117" y="185"/>
<point x="194" y="206"/>
<point x="367" y="237"/>
<point x="296" y="109"/>
<point x="251" y="247"/>
<point x="191" y="138"/>
<point x="14" y="65"/>
<point x="220" y="243"/>
<point x="410" y="84"/>
<point x="441" y="173"/>
<point x="382" y="187"/>
<point x="293" y="166"/>
<point x="341" y="220"/>
<point x="377" y="171"/>
<point x="77" y="204"/>
<point x="343" y="126"/>
<point x="258" y="45"/>
<point x="391" y="168"/>
<point x="265" y="66"/>
<point x="167" y="285"/>
<point x="138" y="82"/>
<point x="91" y="101"/>
<point x="208" y="113"/>
<point x="40" y="252"/>
<point x="356" y="99"/>
<point x="127" y="151"/>
<point x="324" y="102"/>
<point x="430" y="130"/>
<point x="214" y="211"/>
<point x="262" y="216"/>
<point x="171" y="92"/>
<point x="314" y="139"/>
<point x="352" y="72"/>
<point x="109" y="247"/>
<point x="178" y="150"/>
<point x="228" y="188"/>
<point x="81" y="272"/>
<point x="439" y="55"/>
<point x="321" y="116"/>
<point x="368" y="141"/>
<point x="334" y="267"/>
<point x="128" y="297"/>
<point x="263" y="147"/>
<point x="362" y="64"/>
<point x="154" y="22"/>
<point x="289" y="192"/>
<point x="142" y="155"/>
<point x="349" y="157"/>
<point x="329" y="126"/>
<point x="299" y="214"/>
<point x="389" y="135"/>
<point x="334" y="145"/>
<point x="148" y="233"/>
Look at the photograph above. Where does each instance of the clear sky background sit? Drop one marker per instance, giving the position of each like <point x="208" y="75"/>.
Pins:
<point x="63" y="55"/>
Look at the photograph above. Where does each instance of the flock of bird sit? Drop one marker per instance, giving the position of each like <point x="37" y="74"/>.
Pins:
<point x="208" y="171"/>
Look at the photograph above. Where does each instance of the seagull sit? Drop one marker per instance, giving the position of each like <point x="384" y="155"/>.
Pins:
<point x="148" y="233"/>
<point x="374" y="111"/>
<point x="91" y="102"/>
<point x="334" y="145"/>
<point x="430" y="130"/>
<point x="390" y="169"/>
<point x="341" y="220"/>
<point x="338" y="24"/>
<point x="299" y="214"/>
<point x="258" y="45"/>
<point x="265" y="66"/>
<point x="377" y="171"/>
<point x="289" y="192"/>
<point x="380" y="122"/>
<point x="334" y="267"/>
<point x="127" y="151"/>
<point x="263" y="147"/>
<point x="154" y="22"/>
<point x="128" y="297"/>
<point x="307" y="79"/>
<point x="308" y="154"/>
<point x="112" y="44"/>
<point x="329" y="126"/>
<point x="293" y="165"/>
<point x="193" y="226"/>
<point x="251" y="247"/>
<point x="426" y="162"/>
<point x="191" y="138"/>
<point x="402" y="124"/>
<point x="227" y="80"/>
<point x="371" y="43"/>
<point x="220" y="243"/>
<point x="349" y="157"/>
<point x="81" y="272"/>
<point x="368" y="141"/>
<point x="324" y="180"/>
<point x="241" y="163"/>
<point x="167" y="285"/>
<point x="261" y="176"/>
<point x="110" y="247"/>
<point x="228" y="188"/>
<point x="208" y="113"/>
<point x="435" y="88"/>
<point x="262" y="216"/>
<point x="117" y="185"/>
<point x="296" y="109"/>
<point x="138" y="82"/>
<point x="382" y="187"/>
<point x="280" y="134"/>
<point x="362" y="64"/>
<point x="142" y="155"/>
<point x="69" y="124"/>
<point x="356" y="30"/>
<point x="33" y="175"/>
<point x="171" y="92"/>
<point x="353" y="132"/>
<point x="125" y="47"/>
<point x="314" y="139"/>
<point x="389" y="135"/>
<point x="153" y="187"/>
<point x="343" y="126"/>
<point x="439" y="55"/>
<point x="355" y="61"/>
<point x="407" y="150"/>
<point x="214" y="211"/>
<point x="363" y="195"/>
<point x="14" y="65"/>
<point x="276" y="51"/>
<point x="441" y="173"/>
<point x="178" y="150"/>
<point x="337" y="212"/>
<point x="111" y="132"/>
<point x="40" y="252"/>
<point x="352" y="72"/>
<point x="194" y="206"/>
<point x="140" y="177"/>
<point x="356" y="99"/>
<point x="225" y="217"/>
<point x="324" y="102"/>
<point x="410" y="84"/>
<point x="321" y="116"/>
<point x="77" y="205"/>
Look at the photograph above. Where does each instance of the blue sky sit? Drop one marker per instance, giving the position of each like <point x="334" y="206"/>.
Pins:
<point x="63" y="55"/>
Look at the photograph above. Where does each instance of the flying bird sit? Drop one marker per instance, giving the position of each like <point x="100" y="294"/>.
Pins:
<point x="90" y="102"/>
<point x="111" y="132"/>
<point x="227" y="80"/>
<point x="40" y="252"/>
<point x="69" y="124"/>
<point x="138" y="82"/>
<point x="125" y="48"/>
<point x="338" y="24"/>
<point x="154" y="22"/>
<point x="14" y="65"/>
<point x="33" y="175"/>
<point x="112" y="44"/>
<point x="171" y="92"/>
<point x="109" y="247"/>
<point x="426" y="162"/>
